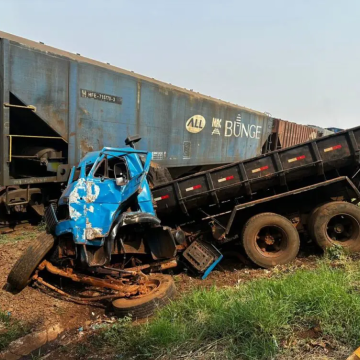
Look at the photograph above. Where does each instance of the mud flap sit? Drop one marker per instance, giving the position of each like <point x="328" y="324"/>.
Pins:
<point x="161" y="243"/>
<point x="202" y="257"/>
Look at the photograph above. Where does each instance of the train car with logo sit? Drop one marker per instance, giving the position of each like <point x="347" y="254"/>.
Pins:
<point x="57" y="106"/>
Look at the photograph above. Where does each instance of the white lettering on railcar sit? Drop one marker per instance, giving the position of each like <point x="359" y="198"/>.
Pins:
<point x="234" y="128"/>
<point x="195" y="124"/>
<point x="100" y="96"/>
<point x="216" y="124"/>
<point x="238" y="129"/>
<point x="159" y="155"/>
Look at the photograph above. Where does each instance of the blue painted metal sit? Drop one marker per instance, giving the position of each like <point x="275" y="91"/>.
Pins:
<point x="334" y="129"/>
<point x="92" y="105"/>
<point x="212" y="267"/>
<point x="4" y="112"/>
<point x="96" y="202"/>
<point x="73" y="93"/>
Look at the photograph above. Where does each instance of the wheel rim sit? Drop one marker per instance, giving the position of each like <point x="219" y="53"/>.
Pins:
<point x="149" y="286"/>
<point x="271" y="241"/>
<point x="342" y="229"/>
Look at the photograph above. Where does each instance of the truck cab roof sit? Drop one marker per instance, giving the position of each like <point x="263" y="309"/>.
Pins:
<point x="91" y="157"/>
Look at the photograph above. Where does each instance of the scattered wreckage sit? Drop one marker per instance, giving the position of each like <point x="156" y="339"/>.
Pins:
<point x="113" y="233"/>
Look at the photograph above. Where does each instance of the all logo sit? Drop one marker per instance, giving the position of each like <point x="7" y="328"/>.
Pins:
<point x="195" y="124"/>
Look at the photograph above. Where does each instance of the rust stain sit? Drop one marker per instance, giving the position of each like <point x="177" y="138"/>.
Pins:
<point x="85" y="147"/>
<point x="89" y="280"/>
<point x="93" y="233"/>
<point x="54" y="119"/>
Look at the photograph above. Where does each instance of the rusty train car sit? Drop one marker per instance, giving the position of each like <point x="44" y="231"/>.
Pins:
<point x="57" y="106"/>
<point x="286" y="133"/>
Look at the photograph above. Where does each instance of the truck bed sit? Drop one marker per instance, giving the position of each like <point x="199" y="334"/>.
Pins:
<point x="315" y="160"/>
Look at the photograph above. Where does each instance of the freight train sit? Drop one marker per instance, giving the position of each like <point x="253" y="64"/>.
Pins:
<point x="57" y="106"/>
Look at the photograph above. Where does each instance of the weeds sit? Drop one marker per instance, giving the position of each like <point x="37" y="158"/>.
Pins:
<point x="37" y="356"/>
<point x="82" y="350"/>
<point x="10" y="330"/>
<point x="42" y="226"/>
<point x="4" y="239"/>
<point x="18" y="235"/>
<point x="336" y="252"/>
<point x="250" y="321"/>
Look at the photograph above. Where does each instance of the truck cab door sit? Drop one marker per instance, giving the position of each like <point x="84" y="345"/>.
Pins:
<point x="137" y="184"/>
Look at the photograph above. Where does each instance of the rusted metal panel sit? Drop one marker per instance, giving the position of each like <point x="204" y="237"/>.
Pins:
<point x="91" y="104"/>
<point x="290" y="133"/>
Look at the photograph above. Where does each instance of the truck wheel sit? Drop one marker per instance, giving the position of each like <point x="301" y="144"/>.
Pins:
<point x="310" y="222"/>
<point x="270" y="239"/>
<point x="21" y="272"/>
<point x="336" y="222"/>
<point x="142" y="306"/>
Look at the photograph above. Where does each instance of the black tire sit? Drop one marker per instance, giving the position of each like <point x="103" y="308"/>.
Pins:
<point x="283" y="240"/>
<point x="325" y="230"/>
<point x="144" y="306"/>
<point x="23" y="269"/>
<point x="310" y="221"/>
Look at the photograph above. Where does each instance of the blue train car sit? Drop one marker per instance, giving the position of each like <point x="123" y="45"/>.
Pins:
<point x="334" y="129"/>
<point x="57" y="106"/>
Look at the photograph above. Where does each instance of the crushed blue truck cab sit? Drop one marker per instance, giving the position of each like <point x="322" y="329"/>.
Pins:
<point x="107" y="209"/>
<point x="95" y="200"/>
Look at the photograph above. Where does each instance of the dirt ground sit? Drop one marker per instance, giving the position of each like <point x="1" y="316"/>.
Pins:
<point x="33" y="306"/>
<point x="39" y="309"/>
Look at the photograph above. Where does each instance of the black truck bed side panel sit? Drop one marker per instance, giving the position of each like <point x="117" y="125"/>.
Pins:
<point x="312" y="158"/>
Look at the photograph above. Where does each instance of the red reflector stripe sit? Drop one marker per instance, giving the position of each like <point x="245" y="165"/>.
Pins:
<point x="161" y="198"/>
<point x="195" y="187"/>
<point x="336" y="147"/>
<point x="226" y="178"/>
<point x="260" y="169"/>
<point x="296" y="158"/>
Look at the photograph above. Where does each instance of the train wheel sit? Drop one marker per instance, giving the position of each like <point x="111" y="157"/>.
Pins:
<point x="336" y="222"/>
<point x="21" y="272"/>
<point x="270" y="239"/>
<point x="162" y="289"/>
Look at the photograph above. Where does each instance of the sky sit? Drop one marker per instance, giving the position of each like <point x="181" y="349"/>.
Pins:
<point x="298" y="60"/>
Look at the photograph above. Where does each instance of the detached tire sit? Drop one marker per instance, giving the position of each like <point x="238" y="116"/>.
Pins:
<point x="336" y="223"/>
<point x="146" y="305"/>
<point x="23" y="269"/>
<point x="270" y="239"/>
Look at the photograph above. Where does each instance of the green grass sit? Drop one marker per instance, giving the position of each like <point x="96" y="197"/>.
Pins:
<point x="18" y="236"/>
<point x="10" y="330"/>
<point x="250" y="321"/>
